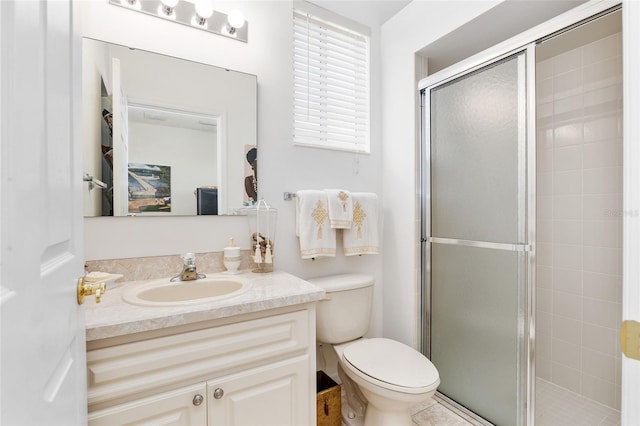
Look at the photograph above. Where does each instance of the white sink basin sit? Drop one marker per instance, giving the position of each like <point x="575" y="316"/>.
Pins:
<point x="166" y="293"/>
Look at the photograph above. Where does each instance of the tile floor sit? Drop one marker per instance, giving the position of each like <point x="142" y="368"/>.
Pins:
<point x="435" y="414"/>
<point x="555" y="406"/>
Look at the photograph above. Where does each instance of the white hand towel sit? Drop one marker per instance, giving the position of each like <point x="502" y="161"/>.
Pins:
<point x="317" y="238"/>
<point x="362" y="238"/>
<point x="340" y="208"/>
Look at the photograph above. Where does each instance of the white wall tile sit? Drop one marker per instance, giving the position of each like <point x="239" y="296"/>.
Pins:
<point x="567" y="256"/>
<point x="580" y="188"/>
<point x="602" y="207"/>
<point x="544" y="90"/>
<point x="568" y="280"/>
<point x="544" y="69"/>
<point x="601" y="339"/>
<point x="567" y="158"/>
<point x="544" y="184"/>
<point x="599" y="128"/>
<point x="601" y="49"/>
<point x="544" y="160"/>
<point x="567" y="377"/>
<point x="544" y="321"/>
<point x="567" y="305"/>
<point x="603" y="233"/>
<point x="569" y="109"/>
<point x="567" y="183"/>
<point x="567" y="61"/>
<point x="602" y="313"/>
<point x="599" y="390"/>
<point x="544" y="254"/>
<point x="544" y="228"/>
<point x="602" y="101"/>
<point x="599" y="365"/>
<point x="566" y="353"/>
<point x="544" y="276"/>
<point x="572" y="133"/>
<point x="602" y="74"/>
<point x="603" y="260"/>
<point x="567" y="330"/>
<point x="607" y="180"/>
<point x="607" y="153"/>
<point x="544" y="299"/>
<point x="567" y="207"/>
<point x="567" y="232"/>
<point x="602" y="286"/>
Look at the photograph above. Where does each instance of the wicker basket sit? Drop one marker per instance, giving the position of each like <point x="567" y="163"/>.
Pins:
<point x="328" y="401"/>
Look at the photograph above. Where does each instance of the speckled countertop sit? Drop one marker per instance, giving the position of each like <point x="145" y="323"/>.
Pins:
<point x="115" y="317"/>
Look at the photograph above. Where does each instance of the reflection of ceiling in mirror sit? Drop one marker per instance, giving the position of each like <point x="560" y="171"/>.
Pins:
<point x="172" y="118"/>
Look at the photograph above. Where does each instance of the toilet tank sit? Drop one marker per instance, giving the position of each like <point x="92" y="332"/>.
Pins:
<point x="346" y="312"/>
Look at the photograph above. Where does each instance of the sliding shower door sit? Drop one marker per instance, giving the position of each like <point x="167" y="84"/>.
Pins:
<point x="477" y="251"/>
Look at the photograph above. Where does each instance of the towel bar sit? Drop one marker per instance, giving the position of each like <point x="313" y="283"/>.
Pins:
<point x="288" y="196"/>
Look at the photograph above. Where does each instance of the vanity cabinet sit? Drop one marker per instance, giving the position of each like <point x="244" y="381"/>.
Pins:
<point x="255" y="369"/>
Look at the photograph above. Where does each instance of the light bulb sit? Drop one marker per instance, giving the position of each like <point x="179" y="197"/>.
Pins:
<point x="204" y="8"/>
<point x="235" y="19"/>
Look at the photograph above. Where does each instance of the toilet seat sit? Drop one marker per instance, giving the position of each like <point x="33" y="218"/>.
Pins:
<point x="391" y="365"/>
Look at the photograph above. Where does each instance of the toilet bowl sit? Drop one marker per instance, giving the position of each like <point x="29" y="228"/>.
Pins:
<point x="391" y="376"/>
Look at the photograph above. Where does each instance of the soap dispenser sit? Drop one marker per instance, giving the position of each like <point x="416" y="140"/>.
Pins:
<point x="232" y="257"/>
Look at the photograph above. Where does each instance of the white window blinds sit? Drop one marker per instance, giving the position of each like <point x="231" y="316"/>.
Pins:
<point x="331" y="85"/>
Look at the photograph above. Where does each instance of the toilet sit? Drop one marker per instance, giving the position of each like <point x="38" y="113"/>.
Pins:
<point x="382" y="378"/>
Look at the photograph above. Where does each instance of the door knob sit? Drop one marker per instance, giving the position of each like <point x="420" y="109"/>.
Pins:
<point x="218" y="393"/>
<point x="87" y="289"/>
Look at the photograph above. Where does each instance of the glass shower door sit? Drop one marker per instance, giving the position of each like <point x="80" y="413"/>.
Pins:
<point x="477" y="244"/>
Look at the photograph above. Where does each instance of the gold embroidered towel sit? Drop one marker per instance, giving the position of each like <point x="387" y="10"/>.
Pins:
<point x="362" y="238"/>
<point x="340" y="208"/>
<point x="317" y="238"/>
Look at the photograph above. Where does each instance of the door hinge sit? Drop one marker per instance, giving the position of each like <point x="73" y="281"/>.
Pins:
<point x="630" y="339"/>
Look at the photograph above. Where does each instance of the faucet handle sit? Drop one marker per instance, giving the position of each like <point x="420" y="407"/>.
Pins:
<point x="189" y="259"/>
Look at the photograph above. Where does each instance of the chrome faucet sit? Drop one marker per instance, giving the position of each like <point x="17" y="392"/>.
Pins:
<point x="189" y="272"/>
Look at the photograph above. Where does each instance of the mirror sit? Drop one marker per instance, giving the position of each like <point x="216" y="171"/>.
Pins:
<point x="165" y="136"/>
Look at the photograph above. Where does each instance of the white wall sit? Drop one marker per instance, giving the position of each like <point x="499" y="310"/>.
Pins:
<point x="413" y="28"/>
<point x="282" y="166"/>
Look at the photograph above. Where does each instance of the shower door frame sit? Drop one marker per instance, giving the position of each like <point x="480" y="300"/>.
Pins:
<point x="526" y="202"/>
<point x="524" y="42"/>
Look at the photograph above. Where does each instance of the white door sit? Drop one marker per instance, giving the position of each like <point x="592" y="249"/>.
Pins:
<point x="43" y="346"/>
<point x="631" y="254"/>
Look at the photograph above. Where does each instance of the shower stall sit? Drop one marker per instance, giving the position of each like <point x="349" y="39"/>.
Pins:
<point x="522" y="228"/>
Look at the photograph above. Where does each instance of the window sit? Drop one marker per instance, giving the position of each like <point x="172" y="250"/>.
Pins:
<point x="331" y="85"/>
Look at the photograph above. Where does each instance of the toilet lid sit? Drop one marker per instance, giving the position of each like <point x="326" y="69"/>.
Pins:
<point x="391" y="362"/>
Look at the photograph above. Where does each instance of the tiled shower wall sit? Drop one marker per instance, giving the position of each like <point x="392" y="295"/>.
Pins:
<point x="579" y="220"/>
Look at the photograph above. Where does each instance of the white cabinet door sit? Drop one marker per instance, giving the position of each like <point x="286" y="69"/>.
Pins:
<point x="43" y="345"/>
<point x="185" y="406"/>
<point x="276" y="394"/>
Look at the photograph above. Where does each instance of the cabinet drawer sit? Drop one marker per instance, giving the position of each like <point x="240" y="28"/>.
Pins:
<point x="121" y="373"/>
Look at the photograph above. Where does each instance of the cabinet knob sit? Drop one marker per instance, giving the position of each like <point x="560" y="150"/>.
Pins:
<point x="198" y="399"/>
<point x="218" y="393"/>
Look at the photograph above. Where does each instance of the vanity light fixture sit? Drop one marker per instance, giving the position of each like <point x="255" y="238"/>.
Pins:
<point x="194" y="13"/>
<point x="166" y="8"/>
